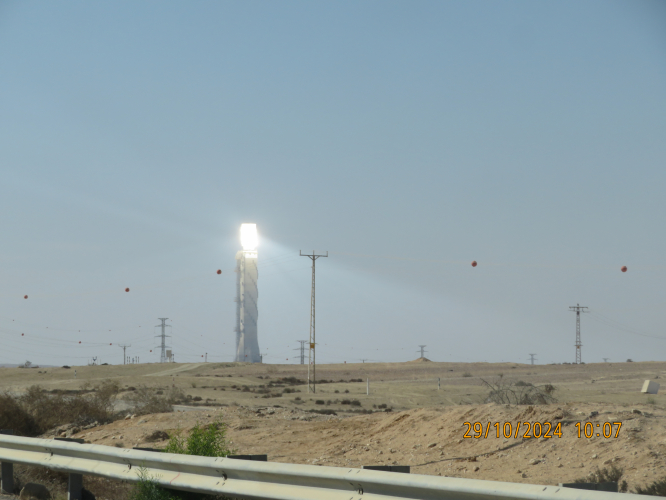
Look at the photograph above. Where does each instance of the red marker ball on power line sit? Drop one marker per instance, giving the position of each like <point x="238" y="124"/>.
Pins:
<point x="219" y="271"/>
<point x="79" y="341"/>
<point x="624" y="269"/>
<point x="22" y="334"/>
<point x="127" y="289"/>
<point x="473" y="263"/>
<point x="25" y="296"/>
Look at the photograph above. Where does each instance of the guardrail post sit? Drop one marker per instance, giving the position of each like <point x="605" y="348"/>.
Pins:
<point x="7" y="471"/>
<point x="255" y="458"/>
<point x="7" y="482"/>
<point x="610" y="486"/>
<point x="75" y="482"/>
<point x="75" y="487"/>
<point x="405" y="469"/>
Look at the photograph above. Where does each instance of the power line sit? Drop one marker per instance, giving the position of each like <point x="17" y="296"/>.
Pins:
<point x="578" y="310"/>
<point x="422" y="350"/>
<point x="619" y="326"/>
<point x="312" y="383"/>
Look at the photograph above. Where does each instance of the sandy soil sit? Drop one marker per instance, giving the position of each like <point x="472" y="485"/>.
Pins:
<point x="432" y="441"/>
<point x="426" y="427"/>
<point x="400" y="385"/>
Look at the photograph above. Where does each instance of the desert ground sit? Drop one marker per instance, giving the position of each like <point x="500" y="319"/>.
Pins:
<point x="424" y="426"/>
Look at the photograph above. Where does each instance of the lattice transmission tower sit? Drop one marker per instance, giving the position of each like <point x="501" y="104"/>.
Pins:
<point x="302" y="349"/>
<point x="163" y="336"/>
<point x="578" y="310"/>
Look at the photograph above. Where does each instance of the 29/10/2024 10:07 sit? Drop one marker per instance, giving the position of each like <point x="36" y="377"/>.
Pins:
<point x="527" y="430"/>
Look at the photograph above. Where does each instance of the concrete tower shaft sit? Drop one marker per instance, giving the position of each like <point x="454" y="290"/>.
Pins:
<point x="247" y="294"/>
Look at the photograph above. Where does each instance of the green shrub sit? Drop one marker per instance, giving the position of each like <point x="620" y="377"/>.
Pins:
<point x="467" y="374"/>
<point x="203" y="441"/>
<point x="148" y="489"/>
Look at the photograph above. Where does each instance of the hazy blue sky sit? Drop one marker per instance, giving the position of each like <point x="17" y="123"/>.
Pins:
<point x="406" y="138"/>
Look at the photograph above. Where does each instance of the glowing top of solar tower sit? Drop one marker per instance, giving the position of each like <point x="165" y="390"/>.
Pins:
<point x="248" y="236"/>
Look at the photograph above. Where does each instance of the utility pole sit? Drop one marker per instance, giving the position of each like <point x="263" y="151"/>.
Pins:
<point x="312" y="383"/>
<point x="532" y="358"/>
<point x="578" y="310"/>
<point x="163" y="336"/>
<point x="124" y="354"/>
<point x="422" y="351"/>
<point x="302" y="349"/>
<point x="605" y="360"/>
<point x="364" y="360"/>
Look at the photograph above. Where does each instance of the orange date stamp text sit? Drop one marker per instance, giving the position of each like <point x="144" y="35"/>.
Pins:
<point x="547" y="430"/>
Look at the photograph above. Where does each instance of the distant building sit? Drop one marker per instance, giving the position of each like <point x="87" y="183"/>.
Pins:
<point x="247" y="294"/>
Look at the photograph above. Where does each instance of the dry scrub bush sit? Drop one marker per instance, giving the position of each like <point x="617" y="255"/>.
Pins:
<point x="52" y="410"/>
<point x="505" y="392"/>
<point x="156" y="436"/>
<point x="37" y="411"/>
<point x="657" y="488"/>
<point x="145" y="400"/>
<point x="611" y="474"/>
<point x="14" y="416"/>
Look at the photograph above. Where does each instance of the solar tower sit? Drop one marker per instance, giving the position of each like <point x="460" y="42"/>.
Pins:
<point x="247" y="345"/>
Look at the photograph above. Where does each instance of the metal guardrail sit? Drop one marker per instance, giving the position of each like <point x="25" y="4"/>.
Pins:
<point x="263" y="480"/>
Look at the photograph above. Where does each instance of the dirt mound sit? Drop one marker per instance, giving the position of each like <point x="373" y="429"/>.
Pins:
<point x="420" y="360"/>
<point x="456" y="441"/>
